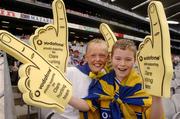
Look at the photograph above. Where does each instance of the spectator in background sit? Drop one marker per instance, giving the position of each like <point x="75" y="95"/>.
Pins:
<point x="175" y="61"/>
<point x="70" y="56"/>
<point x="70" y="52"/>
<point x="13" y="69"/>
<point x="76" y="58"/>
<point x="83" y="61"/>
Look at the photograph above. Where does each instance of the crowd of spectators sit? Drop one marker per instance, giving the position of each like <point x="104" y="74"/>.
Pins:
<point x="76" y="53"/>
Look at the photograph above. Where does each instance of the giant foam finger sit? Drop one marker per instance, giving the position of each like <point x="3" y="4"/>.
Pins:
<point x="108" y="35"/>
<point x="41" y="83"/>
<point x="154" y="57"/>
<point x="52" y="40"/>
<point x="158" y="22"/>
<point x="60" y="19"/>
<point x="162" y="37"/>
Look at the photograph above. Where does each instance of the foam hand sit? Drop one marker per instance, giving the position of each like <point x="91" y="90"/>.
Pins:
<point x="108" y="35"/>
<point x="110" y="39"/>
<point x="51" y="41"/>
<point x="41" y="83"/>
<point x="154" y="56"/>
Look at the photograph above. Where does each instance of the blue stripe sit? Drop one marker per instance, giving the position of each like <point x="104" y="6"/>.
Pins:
<point x="128" y="91"/>
<point x="85" y="115"/>
<point x="109" y="78"/>
<point x="139" y="115"/>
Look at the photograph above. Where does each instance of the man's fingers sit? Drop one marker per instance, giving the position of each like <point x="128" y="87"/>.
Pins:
<point x="60" y="20"/>
<point x="20" y="50"/>
<point x="158" y="22"/>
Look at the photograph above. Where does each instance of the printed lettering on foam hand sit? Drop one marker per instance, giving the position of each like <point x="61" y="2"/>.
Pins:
<point x="41" y="83"/>
<point x="154" y="56"/>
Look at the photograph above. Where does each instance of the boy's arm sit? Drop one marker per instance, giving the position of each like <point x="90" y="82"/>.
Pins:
<point x="79" y="104"/>
<point x="157" y="108"/>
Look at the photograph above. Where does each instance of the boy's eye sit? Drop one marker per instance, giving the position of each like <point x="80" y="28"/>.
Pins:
<point x="102" y="56"/>
<point x="129" y="59"/>
<point x="92" y="55"/>
<point x="118" y="58"/>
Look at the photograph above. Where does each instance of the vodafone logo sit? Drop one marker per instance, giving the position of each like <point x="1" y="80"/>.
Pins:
<point x="104" y="115"/>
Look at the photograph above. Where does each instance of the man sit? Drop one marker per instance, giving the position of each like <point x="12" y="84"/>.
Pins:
<point x="81" y="76"/>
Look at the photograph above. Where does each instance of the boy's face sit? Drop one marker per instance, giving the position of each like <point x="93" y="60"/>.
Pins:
<point x="122" y="62"/>
<point x="96" y="56"/>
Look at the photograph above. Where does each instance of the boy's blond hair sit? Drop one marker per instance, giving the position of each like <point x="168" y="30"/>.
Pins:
<point x="98" y="41"/>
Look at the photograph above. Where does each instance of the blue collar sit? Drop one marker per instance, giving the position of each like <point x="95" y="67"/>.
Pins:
<point x="84" y="69"/>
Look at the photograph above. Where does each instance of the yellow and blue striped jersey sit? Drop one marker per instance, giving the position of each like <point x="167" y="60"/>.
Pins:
<point x="118" y="100"/>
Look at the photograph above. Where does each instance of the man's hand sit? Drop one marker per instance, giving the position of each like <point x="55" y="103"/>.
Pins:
<point x="40" y="82"/>
<point x="51" y="41"/>
<point x="154" y="56"/>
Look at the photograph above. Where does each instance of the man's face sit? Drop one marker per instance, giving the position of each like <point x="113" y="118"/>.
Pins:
<point x="96" y="56"/>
